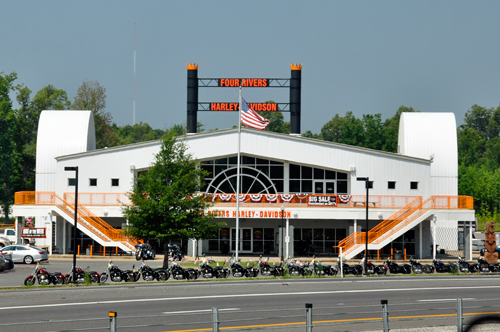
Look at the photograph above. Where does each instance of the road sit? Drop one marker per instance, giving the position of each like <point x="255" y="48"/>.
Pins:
<point x="263" y="302"/>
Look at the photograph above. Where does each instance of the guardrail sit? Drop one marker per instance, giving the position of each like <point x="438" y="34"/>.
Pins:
<point x="383" y="316"/>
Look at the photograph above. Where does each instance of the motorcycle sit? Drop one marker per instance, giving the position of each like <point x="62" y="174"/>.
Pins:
<point x="418" y="267"/>
<point x="396" y="268"/>
<point x="239" y="271"/>
<point x="144" y="252"/>
<point x="466" y="267"/>
<point x="444" y="268"/>
<point x="350" y="269"/>
<point x="174" y="252"/>
<point x="270" y="270"/>
<point x="114" y="273"/>
<point x="294" y="269"/>
<point x="179" y="273"/>
<point x="322" y="270"/>
<point x="150" y="274"/>
<point x="208" y="271"/>
<point x="376" y="269"/>
<point x="95" y="277"/>
<point x="484" y="266"/>
<point x="43" y="277"/>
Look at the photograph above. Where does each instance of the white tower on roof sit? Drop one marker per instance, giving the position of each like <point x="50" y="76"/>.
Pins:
<point x="60" y="133"/>
<point x="432" y="136"/>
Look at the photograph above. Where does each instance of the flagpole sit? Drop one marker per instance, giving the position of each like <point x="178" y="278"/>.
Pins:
<point x="238" y="183"/>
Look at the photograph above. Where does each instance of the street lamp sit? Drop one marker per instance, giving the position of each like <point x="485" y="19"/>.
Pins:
<point x="282" y="231"/>
<point x="74" y="168"/>
<point x="367" y="181"/>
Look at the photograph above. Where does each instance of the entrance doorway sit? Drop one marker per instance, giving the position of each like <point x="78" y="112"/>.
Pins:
<point x="324" y="187"/>
<point x="245" y="238"/>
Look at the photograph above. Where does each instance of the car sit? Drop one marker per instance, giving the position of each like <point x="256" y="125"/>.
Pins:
<point x="25" y="254"/>
<point x="9" y="233"/>
<point x="9" y="264"/>
<point x="3" y="263"/>
<point x="4" y="242"/>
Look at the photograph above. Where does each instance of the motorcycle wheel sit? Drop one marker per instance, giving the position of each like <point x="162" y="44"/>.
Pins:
<point x="192" y="275"/>
<point x="68" y="280"/>
<point x="104" y="277"/>
<point x="29" y="281"/>
<point x="94" y="279"/>
<point x="137" y="257"/>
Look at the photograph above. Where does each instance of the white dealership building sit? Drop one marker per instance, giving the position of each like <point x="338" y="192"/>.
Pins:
<point x="312" y="189"/>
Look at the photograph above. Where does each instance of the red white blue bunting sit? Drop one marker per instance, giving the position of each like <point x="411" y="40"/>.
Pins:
<point x="287" y="198"/>
<point x="256" y="197"/>
<point x="344" y="198"/>
<point x="225" y="197"/>
<point x="301" y="196"/>
<point x="243" y="197"/>
<point x="271" y="198"/>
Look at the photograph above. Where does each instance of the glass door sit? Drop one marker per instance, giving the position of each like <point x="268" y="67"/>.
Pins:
<point x="245" y="238"/>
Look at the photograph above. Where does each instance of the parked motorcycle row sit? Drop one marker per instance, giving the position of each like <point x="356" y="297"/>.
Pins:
<point x="236" y="269"/>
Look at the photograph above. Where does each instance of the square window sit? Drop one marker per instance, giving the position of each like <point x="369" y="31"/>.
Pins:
<point x="391" y="185"/>
<point x="329" y="175"/>
<point x="115" y="182"/>
<point x="342" y="187"/>
<point x="233" y="160"/>
<point x="319" y="174"/>
<point x="306" y="172"/>
<point x="294" y="171"/>
<point x="72" y="182"/>
<point x="342" y="176"/>
<point x="414" y="185"/>
<point x="294" y="186"/>
<point x="307" y="186"/>
<point x="92" y="182"/>
<point x="276" y="172"/>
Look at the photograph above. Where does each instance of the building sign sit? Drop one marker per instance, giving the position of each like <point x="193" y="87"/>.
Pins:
<point x="259" y="107"/>
<point x="245" y="82"/>
<point x="249" y="214"/>
<point x="33" y="232"/>
<point x="322" y="200"/>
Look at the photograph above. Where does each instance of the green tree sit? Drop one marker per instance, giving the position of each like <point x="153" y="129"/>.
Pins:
<point x="372" y="125"/>
<point x="161" y="206"/>
<point x="390" y="130"/>
<point x="92" y="96"/>
<point x="347" y="130"/>
<point x="277" y="121"/>
<point x="9" y="156"/>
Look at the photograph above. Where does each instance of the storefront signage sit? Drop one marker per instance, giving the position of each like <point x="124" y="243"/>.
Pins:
<point x="233" y="107"/>
<point x="249" y="214"/>
<point x="245" y="82"/>
<point x="33" y="232"/>
<point x="322" y="200"/>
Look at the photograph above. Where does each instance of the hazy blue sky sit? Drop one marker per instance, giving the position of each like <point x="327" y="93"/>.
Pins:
<point x="362" y="56"/>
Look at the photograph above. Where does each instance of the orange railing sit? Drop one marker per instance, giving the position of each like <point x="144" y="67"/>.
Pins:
<point x="404" y="217"/>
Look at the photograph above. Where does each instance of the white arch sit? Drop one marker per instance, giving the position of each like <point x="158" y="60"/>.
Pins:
<point x="60" y="133"/>
<point x="432" y="136"/>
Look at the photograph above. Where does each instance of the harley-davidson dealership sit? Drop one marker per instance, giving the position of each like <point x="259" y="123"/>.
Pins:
<point x="297" y="195"/>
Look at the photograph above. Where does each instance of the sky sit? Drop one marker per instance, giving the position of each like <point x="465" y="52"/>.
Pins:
<point x="366" y="57"/>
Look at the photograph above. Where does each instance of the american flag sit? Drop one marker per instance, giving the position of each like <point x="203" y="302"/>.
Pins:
<point x="250" y="118"/>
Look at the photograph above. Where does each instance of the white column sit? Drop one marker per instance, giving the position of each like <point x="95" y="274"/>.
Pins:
<point x="434" y="237"/>
<point x="64" y="235"/>
<point x="355" y="229"/>
<point x="420" y="238"/>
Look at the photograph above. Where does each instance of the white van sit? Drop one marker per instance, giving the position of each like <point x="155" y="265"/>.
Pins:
<point x="10" y="234"/>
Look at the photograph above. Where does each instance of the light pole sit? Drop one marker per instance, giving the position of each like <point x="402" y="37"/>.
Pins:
<point x="282" y="231"/>
<point x="74" y="168"/>
<point x="367" y="181"/>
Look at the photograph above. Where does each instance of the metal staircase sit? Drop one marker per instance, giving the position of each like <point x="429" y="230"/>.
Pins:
<point x="400" y="222"/>
<point x="93" y="226"/>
